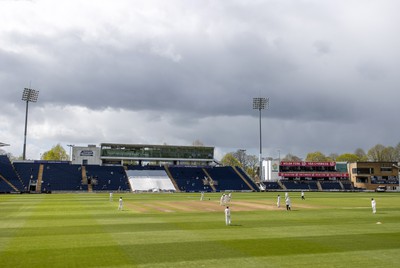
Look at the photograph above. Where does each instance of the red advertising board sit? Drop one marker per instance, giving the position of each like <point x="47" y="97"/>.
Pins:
<point x="308" y="164"/>
<point x="314" y="174"/>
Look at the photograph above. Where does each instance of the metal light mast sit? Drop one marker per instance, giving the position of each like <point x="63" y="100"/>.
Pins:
<point x="260" y="104"/>
<point x="29" y="95"/>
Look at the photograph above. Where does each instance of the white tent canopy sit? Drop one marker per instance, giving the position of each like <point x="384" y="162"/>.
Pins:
<point x="149" y="180"/>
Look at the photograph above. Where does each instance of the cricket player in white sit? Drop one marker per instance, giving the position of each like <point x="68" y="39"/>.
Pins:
<point x="288" y="203"/>
<point x="227" y="216"/>
<point x="278" y="202"/>
<point x="111" y="197"/>
<point x="373" y="205"/>
<point x="202" y="196"/>
<point x="226" y="199"/>
<point x="222" y="200"/>
<point x="120" y="204"/>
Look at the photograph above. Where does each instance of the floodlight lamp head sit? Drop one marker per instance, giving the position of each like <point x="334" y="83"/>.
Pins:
<point x="30" y="95"/>
<point x="260" y="103"/>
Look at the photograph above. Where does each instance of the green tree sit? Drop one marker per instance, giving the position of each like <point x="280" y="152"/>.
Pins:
<point x="397" y="149"/>
<point x="316" y="157"/>
<point x="56" y="153"/>
<point x="249" y="163"/>
<point x="241" y="156"/>
<point x="389" y="154"/>
<point x="230" y="160"/>
<point x="252" y="164"/>
<point x="347" y="157"/>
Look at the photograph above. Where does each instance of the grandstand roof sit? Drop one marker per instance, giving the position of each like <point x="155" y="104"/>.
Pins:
<point x="124" y="145"/>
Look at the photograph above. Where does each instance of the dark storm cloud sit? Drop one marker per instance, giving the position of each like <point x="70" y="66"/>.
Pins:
<point x="206" y="80"/>
<point x="188" y="70"/>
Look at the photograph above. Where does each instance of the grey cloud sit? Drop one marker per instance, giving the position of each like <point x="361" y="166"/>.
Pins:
<point x="322" y="47"/>
<point x="371" y="70"/>
<point x="199" y="79"/>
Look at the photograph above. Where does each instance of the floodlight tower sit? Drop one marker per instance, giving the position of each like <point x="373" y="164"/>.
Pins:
<point x="260" y="104"/>
<point x="398" y="168"/>
<point x="70" y="150"/>
<point x="29" y="95"/>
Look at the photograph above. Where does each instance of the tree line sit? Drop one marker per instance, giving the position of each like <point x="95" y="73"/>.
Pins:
<point x="378" y="153"/>
<point x="56" y="153"/>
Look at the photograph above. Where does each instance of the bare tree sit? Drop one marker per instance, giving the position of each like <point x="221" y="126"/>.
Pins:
<point x="362" y="156"/>
<point x="197" y="143"/>
<point x="376" y="153"/>
<point x="291" y="158"/>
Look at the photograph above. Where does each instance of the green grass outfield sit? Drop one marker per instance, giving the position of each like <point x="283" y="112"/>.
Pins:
<point x="179" y="230"/>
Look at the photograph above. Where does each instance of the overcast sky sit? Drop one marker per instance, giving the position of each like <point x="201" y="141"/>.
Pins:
<point x="176" y="71"/>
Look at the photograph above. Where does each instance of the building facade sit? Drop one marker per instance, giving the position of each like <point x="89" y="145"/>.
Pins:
<point x="371" y="175"/>
<point x="142" y="154"/>
<point x="86" y="155"/>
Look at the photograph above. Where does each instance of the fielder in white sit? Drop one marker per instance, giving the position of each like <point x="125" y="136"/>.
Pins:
<point x="222" y="200"/>
<point x="111" y="197"/>
<point x="288" y="203"/>
<point x="373" y="205"/>
<point x="278" y="201"/>
<point x="227" y="216"/>
<point x="226" y="199"/>
<point x="120" y="204"/>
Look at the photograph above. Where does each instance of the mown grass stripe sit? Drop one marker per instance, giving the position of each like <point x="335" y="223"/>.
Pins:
<point x="86" y="230"/>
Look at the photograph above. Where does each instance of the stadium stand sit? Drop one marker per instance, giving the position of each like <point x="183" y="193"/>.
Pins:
<point x="190" y="179"/>
<point x="330" y="185"/>
<point x="272" y="185"/>
<point x="27" y="171"/>
<point x="347" y="185"/>
<point x="50" y="176"/>
<point x="228" y="179"/>
<point x="313" y="185"/>
<point x="247" y="178"/>
<point x="10" y="181"/>
<point x="107" y="178"/>
<point x="62" y="177"/>
<point x="295" y="185"/>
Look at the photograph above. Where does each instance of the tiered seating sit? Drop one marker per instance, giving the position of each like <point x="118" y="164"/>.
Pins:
<point x="27" y="171"/>
<point x="248" y="179"/>
<point x="312" y="185"/>
<point x="228" y="179"/>
<point x="195" y="179"/>
<point x="8" y="172"/>
<point x="330" y="185"/>
<point x="296" y="185"/>
<point x="347" y="185"/>
<point x="107" y="178"/>
<point x="272" y="185"/>
<point x="189" y="179"/>
<point x="62" y="177"/>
